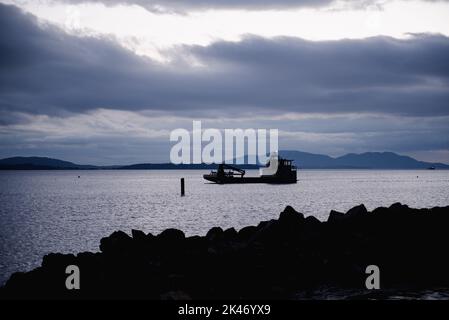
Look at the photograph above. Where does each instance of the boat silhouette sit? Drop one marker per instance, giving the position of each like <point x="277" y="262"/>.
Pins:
<point x="277" y="171"/>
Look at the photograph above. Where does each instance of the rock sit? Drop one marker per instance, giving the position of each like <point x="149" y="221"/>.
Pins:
<point x="262" y="224"/>
<point x="276" y="259"/>
<point x="380" y="211"/>
<point x="57" y="259"/>
<point x="215" y="234"/>
<point x="150" y="237"/>
<point x="380" y="215"/>
<point x="357" y="211"/>
<point x="196" y="243"/>
<point x="86" y="256"/>
<point x="268" y="231"/>
<point x="171" y="236"/>
<point x="175" y="295"/>
<point x="117" y="242"/>
<point x="291" y="217"/>
<point x="230" y="234"/>
<point x="138" y="235"/>
<point x="399" y="208"/>
<point x="246" y="233"/>
<point x="312" y="221"/>
<point x="335" y="216"/>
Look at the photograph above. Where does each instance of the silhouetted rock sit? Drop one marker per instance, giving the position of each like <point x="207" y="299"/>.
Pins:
<point x="356" y="212"/>
<point x="171" y="236"/>
<point x="215" y="234"/>
<point x="246" y="233"/>
<point x="117" y="242"/>
<point x="138" y="235"/>
<point x="335" y="216"/>
<point x="312" y="221"/>
<point x="399" y="208"/>
<point x="230" y="234"/>
<point x="291" y="217"/>
<point x="175" y="295"/>
<point x="57" y="259"/>
<point x="275" y="259"/>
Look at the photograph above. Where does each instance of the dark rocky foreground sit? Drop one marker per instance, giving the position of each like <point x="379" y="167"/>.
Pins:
<point x="276" y="259"/>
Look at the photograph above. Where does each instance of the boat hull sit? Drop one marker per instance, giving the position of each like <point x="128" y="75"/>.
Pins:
<point x="230" y="180"/>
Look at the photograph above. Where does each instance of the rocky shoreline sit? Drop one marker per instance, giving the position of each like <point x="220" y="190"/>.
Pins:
<point x="285" y="258"/>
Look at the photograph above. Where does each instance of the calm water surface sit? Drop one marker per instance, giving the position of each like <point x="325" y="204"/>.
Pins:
<point x="55" y="211"/>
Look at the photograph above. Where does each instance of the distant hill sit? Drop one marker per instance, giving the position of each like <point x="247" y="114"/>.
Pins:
<point x="385" y="160"/>
<point x="39" y="163"/>
<point x="309" y="160"/>
<point x="304" y="160"/>
<point x="171" y="166"/>
<point x="367" y="160"/>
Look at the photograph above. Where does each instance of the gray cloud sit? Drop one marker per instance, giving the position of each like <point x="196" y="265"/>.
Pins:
<point x="99" y="138"/>
<point x="47" y="71"/>
<point x="397" y="88"/>
<point x="183" y="6"/>
<point x="186" y="5"/>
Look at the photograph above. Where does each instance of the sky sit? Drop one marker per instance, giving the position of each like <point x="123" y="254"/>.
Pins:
<point x="105" y="82"/>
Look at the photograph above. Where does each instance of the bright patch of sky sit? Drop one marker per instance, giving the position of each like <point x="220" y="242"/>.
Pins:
<point x="149" y="33"/>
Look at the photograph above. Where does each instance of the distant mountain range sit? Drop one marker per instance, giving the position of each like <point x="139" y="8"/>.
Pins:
<point x="304" y="160"/>
<point x="40" y="163"/>
<point x="367" y="160"/>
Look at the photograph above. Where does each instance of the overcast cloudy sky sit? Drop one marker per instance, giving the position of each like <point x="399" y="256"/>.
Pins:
<point x="104" y="82"/>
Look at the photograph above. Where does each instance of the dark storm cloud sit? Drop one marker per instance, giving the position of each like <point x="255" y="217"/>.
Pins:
<point x="377" y="74"/>
<point x="46" y="71"/>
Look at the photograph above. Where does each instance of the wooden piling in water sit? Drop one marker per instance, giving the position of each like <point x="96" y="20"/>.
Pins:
<point x="182" y="187"/>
